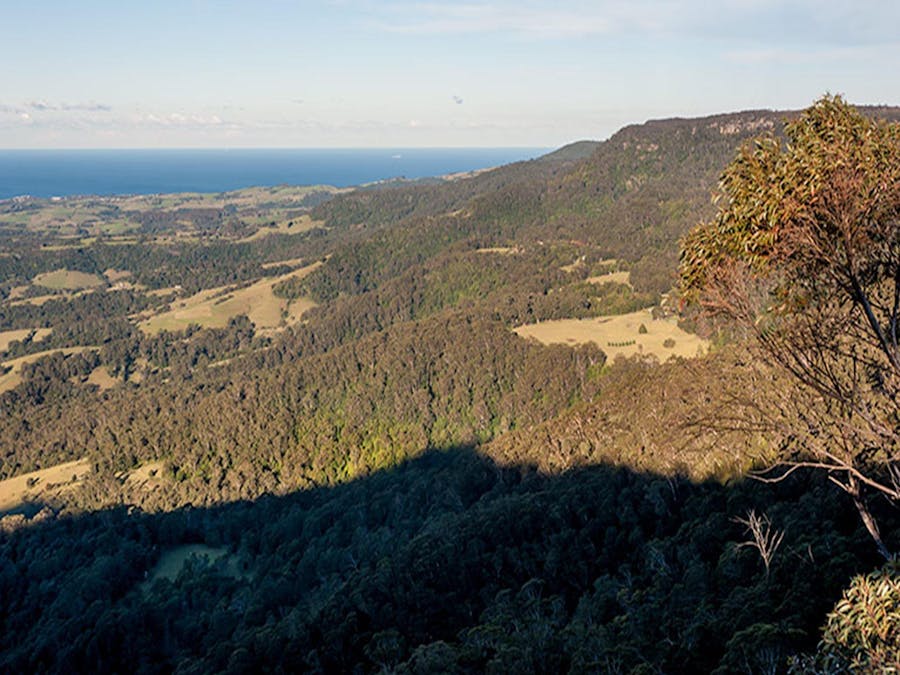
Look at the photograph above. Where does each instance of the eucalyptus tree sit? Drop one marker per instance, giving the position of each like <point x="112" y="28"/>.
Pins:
<point x="804" y="255"/>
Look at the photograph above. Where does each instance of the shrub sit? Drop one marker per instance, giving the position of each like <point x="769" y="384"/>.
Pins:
<point x="863" y="630"/>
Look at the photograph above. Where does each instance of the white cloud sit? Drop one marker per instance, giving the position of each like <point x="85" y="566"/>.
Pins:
<point x="44" y="106"/>
<point x="180" y="120"/>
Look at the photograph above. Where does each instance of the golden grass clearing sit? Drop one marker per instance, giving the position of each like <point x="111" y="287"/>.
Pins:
<point x="101" y="377"/>
<point x="579" y="263"/>
<point x="8" y="336"/>
<point x="214" y="307"/>
<point x="17" y="292"/>
<point x="158" y="292"/>
<point x="293" y="262"/>
<point x="64" y="279"/>
<point x="144" y="473"/>
<point x="61" y="247"/>
<point x="115" y="275"/>
<point x="145" y="478"/>
<point x="122" y="240"/>
<point x="499" y="249"/>
<point x="41" y="484"/>
<point x="39" y="300"/>
<point x="620" y="335"/>
<point x="141" y="370"/>
<point x="290" y="226"/>
<point x="460" y="175"/>
<point x="297" y="308"/>
<point x="14" y="377"/>
<point x="611" y="277"/>
<point x="126" y="286"/>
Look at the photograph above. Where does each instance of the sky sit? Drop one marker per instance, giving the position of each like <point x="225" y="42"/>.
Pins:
<point x="361" y="73"/>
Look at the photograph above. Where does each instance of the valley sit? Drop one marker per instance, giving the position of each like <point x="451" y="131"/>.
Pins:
<point x="453" y="425"/>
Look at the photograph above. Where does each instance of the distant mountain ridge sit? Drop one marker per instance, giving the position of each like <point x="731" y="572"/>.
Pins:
<point x="631" y="197"/>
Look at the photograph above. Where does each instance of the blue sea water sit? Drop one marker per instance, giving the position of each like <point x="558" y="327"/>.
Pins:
<point x="49" y="173"/>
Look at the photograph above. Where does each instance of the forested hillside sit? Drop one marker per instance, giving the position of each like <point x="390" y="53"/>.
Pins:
<point x="307" y="435"/>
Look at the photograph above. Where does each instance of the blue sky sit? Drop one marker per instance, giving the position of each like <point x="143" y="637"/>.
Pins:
<point x="360" y="73"/>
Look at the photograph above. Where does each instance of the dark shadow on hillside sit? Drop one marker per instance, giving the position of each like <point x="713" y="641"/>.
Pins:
<point x="447" y="563"/>
<point x="29" y="509"/>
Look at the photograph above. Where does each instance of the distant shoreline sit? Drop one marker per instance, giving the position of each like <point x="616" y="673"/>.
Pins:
<point x="67" y="173"/>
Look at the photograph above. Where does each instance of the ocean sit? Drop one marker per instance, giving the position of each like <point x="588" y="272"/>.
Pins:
<point x="59" y="173"/>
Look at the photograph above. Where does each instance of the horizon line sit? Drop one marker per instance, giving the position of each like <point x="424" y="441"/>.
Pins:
<point x="310" y="147"/>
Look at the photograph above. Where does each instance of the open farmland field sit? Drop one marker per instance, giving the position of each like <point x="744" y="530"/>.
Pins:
<point x="289" y="226"/>
<point x="39" y="300"/>
<point x="115" y="275"/>
<point x="498" y="249"/>
<point x="8" y="336"/>
<point x="620" y="335"/>
<point x="293" y="262"/>
<point x="70" y="223"/>
<point x="12" y="379"/>
<point x="101" y="377"/>
<point x="612" y="277"/>
<point x="67" y="280"/>
<point x="41" y="484"/>
<point x="70" y="217"/>
<point x="284" y="195"/>
<point x="213" y="308"/>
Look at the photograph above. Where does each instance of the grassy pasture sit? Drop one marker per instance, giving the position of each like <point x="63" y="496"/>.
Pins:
<point x="283" y="195"/>
<point x="68" y="217"/>
<point x="572" y="267"/>
<point x="68" y="220"/>
<point x="611" y="277"/>
<point x="293" y="262"/>
<point x="498" y="249"/>
<point x="159" y="292"/>
<point x="17" y="292"/>
<point x="13" y="378"/>
<point x="101" y="377"/>
<point x="289" y="226"/>
<point x="115" y="275"/>
<point x="68" y="280"/>
<point x="213" y="308"/>
<point x="41" y="299"/>
<point x="144" y="475"/>
<point x="297" y="308"/>
<point x="8" y="336"/>
<point x="620" y="335"/>
<point x="41" y="484"/>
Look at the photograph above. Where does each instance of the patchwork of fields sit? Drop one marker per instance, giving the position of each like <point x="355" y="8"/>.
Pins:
<point x="214" y="307"/>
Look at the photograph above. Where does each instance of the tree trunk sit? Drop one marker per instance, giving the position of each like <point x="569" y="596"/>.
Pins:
<point x="855" y="490"/>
